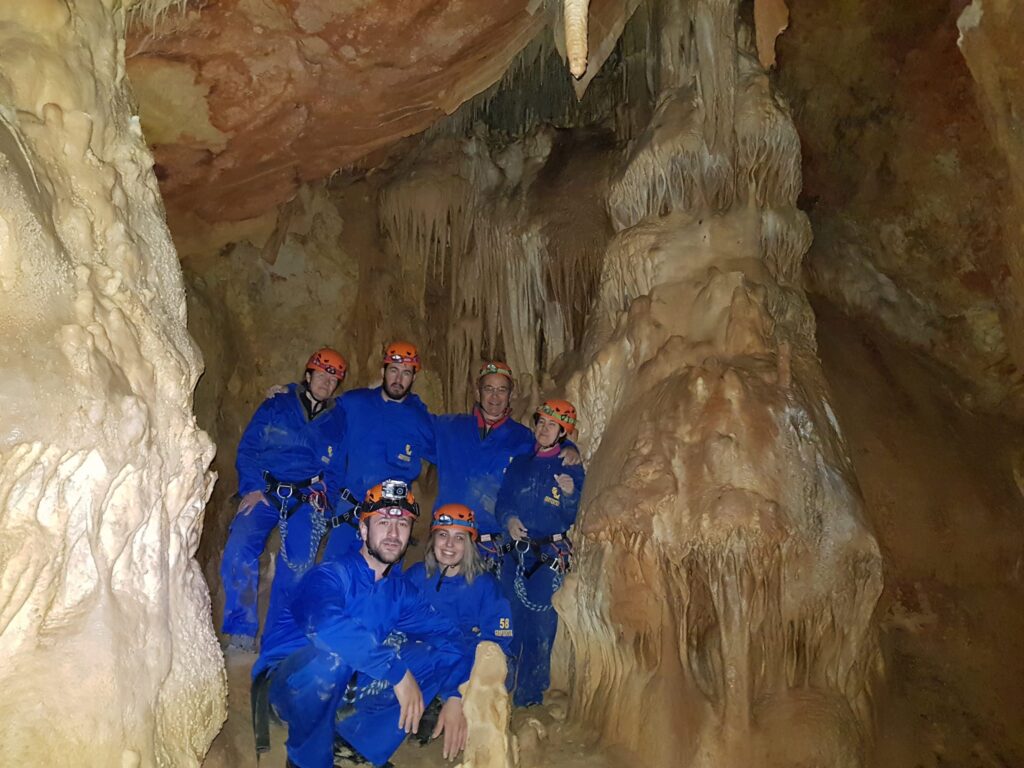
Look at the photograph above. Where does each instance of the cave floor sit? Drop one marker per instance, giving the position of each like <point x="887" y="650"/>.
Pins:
<point x="233" y="747"/>
<point x="942" y="490"/>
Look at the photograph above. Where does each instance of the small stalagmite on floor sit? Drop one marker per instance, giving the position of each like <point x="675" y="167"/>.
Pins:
<point x="487" y="706"/>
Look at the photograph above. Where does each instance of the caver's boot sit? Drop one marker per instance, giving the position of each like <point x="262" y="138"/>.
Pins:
<point x="346" y="756"/>
<point x="428" y="722"/>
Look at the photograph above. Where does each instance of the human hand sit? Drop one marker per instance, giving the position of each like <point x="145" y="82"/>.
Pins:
<point x="276" y="389"/>
<point x="410" y="701"/>
<point x="570" y="457"/>
<point x="565" y="482"/>
<point x="453" y="723"/>
<point x="250" y="500"/>
<point x="516" y="529"/>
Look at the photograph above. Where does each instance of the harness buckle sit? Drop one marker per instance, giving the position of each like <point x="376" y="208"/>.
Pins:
<point x="281" y="488"/>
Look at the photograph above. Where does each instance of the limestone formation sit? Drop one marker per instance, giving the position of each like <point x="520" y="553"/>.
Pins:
<point x="576" y="22"/>
<point x="108" y="653"/>
<point x="727" y="580"/>
<point x="487" y="707"/>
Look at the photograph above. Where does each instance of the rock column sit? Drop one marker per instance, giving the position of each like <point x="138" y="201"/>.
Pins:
<point x="109" y="657"/>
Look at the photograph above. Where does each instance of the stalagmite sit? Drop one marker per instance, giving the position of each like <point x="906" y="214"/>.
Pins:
<point x="722" y="611"/>
<point x="487" y="706"/>
<point x="109" y="657"/>
<point x="576" y="13"/>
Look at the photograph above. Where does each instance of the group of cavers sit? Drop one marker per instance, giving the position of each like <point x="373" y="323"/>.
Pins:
<point x="355" y="654"/>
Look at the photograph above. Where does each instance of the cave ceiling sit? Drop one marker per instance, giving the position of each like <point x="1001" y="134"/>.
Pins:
<point x="243" y="100"/>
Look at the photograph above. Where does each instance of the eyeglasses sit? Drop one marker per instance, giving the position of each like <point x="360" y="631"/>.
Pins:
<point x="489" y="390"/>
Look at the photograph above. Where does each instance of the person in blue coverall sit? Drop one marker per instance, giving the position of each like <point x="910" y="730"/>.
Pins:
<point x="474" y="449"/>
<point x="453" y="579"/>
<point x="390" y="433"/>
<point x="351" y="660"/>
<point x="289" y="462"/>
<point x="537" y="505"/>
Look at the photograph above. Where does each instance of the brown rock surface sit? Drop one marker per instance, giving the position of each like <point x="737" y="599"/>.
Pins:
<point x="244" y="100"/>
<point x="904" y="185"/>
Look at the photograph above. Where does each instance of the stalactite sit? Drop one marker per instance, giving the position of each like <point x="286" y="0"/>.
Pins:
<point x="785" y="237"/>
<point x="714" y="24"/>
<point x="575" y="13"/>
<point x="457" y="217"/>
<point x="430" y="221"/>
<point x="768" y="147"/>
<point x="666" y="169"/>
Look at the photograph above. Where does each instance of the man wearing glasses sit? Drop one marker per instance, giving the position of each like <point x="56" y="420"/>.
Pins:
<point x="475" y="448"/>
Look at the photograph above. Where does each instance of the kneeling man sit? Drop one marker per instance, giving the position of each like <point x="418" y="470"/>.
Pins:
<point x="350" y="663"/>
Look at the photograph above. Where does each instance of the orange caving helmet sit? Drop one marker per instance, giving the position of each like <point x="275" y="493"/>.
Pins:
<point x="455" y="516"/>
<point x="402" y="352"/>
<point x="496" y="366"/>
<point x="330" y="362"/>
<point x="561" y="411"/>
<point x="391" y="498"/>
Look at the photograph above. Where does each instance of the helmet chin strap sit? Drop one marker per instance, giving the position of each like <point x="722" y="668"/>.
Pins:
<point x="309" y="392"/>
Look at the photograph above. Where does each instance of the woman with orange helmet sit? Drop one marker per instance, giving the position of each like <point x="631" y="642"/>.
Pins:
<point x="454" y="580"/>
<point x="537" y="505"/>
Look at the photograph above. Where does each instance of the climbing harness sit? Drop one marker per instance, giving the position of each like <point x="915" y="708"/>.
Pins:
<point x="492" y="551"/>
<point x="347" y="518"/>
<point x="291" y="496"/>
<point x="553" y="551"/>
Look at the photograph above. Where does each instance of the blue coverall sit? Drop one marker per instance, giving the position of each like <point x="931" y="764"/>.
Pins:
<point x="479" y="609"/>
<point x="531" y="493"/>
<point x="280" y="439"/>
<point x="388" y="440"/>
<point x="470" y="467"/>
<point x="342" y="644"/>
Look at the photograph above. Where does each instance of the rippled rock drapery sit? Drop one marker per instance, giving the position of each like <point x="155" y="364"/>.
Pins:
<point x="108" y="652"/>
<point x="722" y="610"/>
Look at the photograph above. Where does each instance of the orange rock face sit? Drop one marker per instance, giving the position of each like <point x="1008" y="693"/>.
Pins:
<point x="245" y="100"/>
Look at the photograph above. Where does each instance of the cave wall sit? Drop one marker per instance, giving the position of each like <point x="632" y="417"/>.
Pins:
<point x="109" y="656"/>
<point x="942" y="488"/>
<point x="905" y="184"/>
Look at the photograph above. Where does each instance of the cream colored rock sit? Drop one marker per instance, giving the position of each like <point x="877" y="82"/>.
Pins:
<point x="722" y="608"/>
<point x="576" y="23"/>
<point x="487" y="707"/>
<point x="109" y="658"/>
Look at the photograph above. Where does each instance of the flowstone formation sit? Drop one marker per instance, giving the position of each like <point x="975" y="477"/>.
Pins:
<point x="108" y="653"/>
<point x="722" y="608"/>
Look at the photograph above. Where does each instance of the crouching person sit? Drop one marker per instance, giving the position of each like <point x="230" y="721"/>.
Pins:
<point x="351" y="661"/>
<point x="454" y="579"/>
